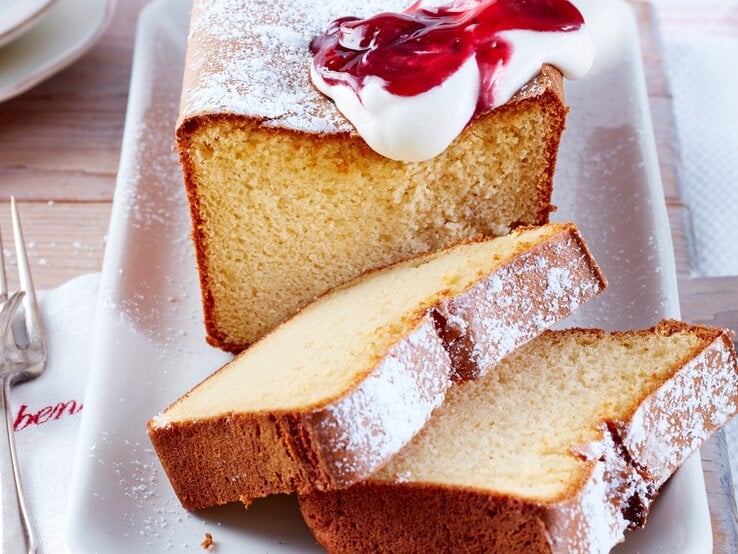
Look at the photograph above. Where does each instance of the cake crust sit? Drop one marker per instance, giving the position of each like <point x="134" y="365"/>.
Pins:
<point x="343" y="440"/>
<point x="625" y="469"/>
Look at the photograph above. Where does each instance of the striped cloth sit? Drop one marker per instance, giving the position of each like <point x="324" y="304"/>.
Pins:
<point x="700" y="39"/>
<point x="47" y="410"/>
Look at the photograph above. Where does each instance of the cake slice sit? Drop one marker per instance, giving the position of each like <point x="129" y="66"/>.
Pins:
<point x="325" y="399"/>
<point x="560" y="449"/>
<point x="287" y="201"/>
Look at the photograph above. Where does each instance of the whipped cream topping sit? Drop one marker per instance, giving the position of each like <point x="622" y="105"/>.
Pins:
<point x="411" y="82"/>
<point x="408" y="128"/>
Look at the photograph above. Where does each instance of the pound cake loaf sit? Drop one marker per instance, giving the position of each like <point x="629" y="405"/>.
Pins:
<point x="560" y="449"/>
<point x="288" y="201"/>
<point x="326" y="398"/>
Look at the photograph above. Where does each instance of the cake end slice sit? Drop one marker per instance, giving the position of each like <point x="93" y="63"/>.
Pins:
<point x="287" y="201"/>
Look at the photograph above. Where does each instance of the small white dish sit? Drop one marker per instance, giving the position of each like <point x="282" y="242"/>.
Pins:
<point x="67" y="30"/>
<point x="17" y="16"/>
<point x="149" y="346"/>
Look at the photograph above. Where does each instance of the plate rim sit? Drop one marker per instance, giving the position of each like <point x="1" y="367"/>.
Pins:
<point x="22" y="26"/>
<point x="660" y="217"/>
<point x="59" y="62"/>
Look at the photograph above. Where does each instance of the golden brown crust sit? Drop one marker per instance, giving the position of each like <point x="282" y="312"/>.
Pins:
<point x="626" y="468"/>
<point x="214" y="336"/>
<point x="546" y="90"/>
<point x="553" y="100"/>
<point x="384" y="518"/>
<point x="345" y="439"/>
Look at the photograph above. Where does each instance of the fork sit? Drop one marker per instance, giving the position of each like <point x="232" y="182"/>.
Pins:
<point x="23" y="358"/>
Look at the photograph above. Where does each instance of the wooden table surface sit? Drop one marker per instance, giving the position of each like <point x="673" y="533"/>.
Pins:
<point x="59" y="154"/>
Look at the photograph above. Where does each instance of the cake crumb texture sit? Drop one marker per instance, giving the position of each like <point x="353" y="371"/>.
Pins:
<point x="283" y="217"/>
<point x="288" y="202"/>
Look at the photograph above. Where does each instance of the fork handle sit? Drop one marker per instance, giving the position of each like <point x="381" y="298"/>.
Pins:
<point x="17" y="531"/>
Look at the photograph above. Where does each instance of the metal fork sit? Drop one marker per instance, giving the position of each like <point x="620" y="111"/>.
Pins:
<point x="22" y="358"/>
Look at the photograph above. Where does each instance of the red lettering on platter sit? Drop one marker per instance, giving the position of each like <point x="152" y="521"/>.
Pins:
<point x="26" y="418"/>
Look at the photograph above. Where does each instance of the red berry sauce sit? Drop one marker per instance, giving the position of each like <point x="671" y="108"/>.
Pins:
<point x="420" y="48"/>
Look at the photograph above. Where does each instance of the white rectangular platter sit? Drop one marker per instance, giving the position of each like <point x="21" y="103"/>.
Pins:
<point x="149" y="345"/>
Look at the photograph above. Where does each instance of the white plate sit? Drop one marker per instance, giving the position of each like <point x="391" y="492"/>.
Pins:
<point x="17" y="16"/>
<point x="67" y="30"/>
<point x="150" y="348"/>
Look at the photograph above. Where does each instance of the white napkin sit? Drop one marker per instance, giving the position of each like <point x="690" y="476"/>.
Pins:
<point x="700" y="44"/>
<point x="47" y="409"/>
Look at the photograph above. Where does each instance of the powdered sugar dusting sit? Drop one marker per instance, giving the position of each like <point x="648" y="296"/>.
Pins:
<point x="593" y="521"/>
<point x="558" y="280"/>
<point x="150" y="513"/>
<point x="535" y="86"/>
<point x="251" y="57"/>
<point x="389" y="407"/>
<point x="520" y="300"/>
<point x="698" y="401"/>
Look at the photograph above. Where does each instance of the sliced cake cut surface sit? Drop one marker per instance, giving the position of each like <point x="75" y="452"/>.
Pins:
<point x="560" y="448"/>
<point x="330" y="395"/>
<point x="287" y="201"/>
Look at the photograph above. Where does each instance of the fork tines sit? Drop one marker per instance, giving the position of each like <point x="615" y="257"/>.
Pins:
<point x="32" y="318"/>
